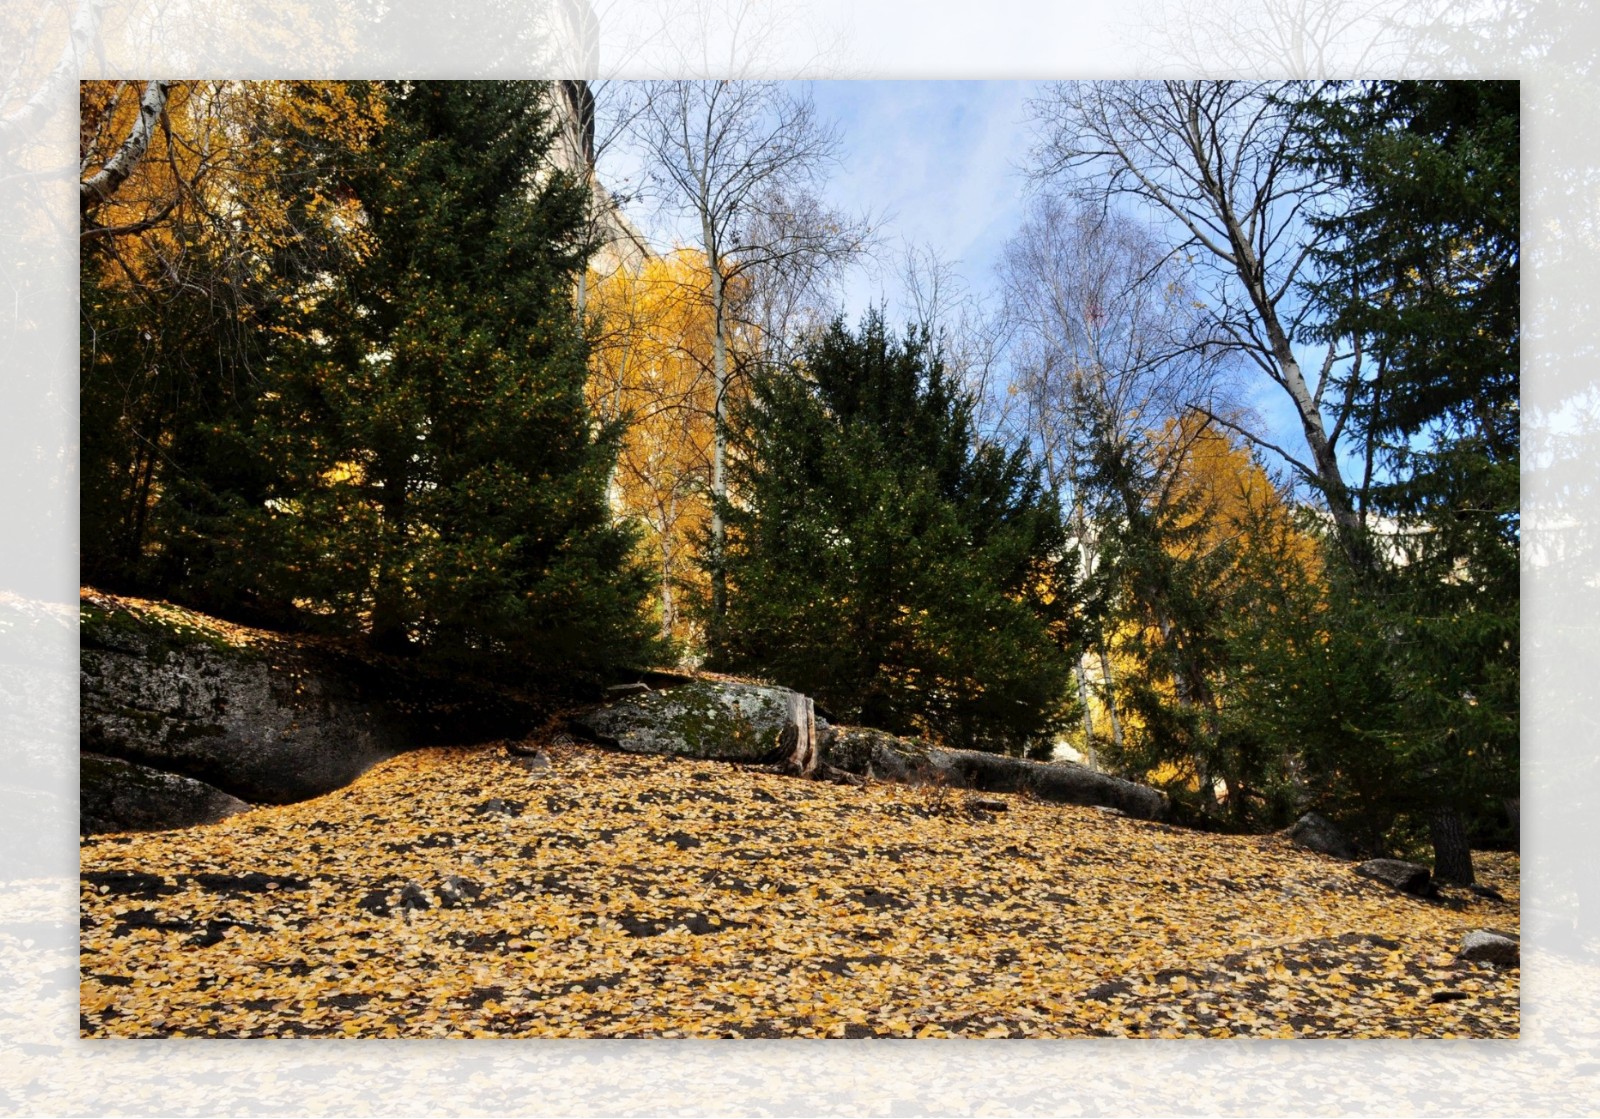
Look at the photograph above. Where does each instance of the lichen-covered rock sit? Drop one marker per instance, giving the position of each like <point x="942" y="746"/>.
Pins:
<point x="116" y="795"/>
<point x="1318" y="833"/>
<point x="1408" y="878"/>
<point x="877" y="753"/>
<point x="267" y="721"/>
<point x="701" y="719"/>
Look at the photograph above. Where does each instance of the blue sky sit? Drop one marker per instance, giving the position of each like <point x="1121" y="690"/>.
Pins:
<point x="942" y="165"/>
<point x="942" y="160"/>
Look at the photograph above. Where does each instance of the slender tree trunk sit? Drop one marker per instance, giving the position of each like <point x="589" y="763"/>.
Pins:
<point x="667" y="616"/>
<point x="1088" y="716"/>
<point x="1111" y="702"/>
<point x="1290" y="377"/>
<point x="1452" y="858"/>
<point x="719" y="438"/>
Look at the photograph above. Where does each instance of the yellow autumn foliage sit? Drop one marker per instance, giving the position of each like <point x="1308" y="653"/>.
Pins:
<point x="1224" y="499"/>
<point x="652" y="370"/>
<point x="224" y="165"/>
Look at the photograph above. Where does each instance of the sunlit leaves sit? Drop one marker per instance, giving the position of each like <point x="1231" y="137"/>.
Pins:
<point x="1050" y="921"/>
<point x="652" y="371"/>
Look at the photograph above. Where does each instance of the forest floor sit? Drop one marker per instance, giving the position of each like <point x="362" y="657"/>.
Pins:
<point x="618" y="896"/>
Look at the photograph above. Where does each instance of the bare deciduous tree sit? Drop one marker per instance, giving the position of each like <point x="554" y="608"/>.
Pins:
<point x="741" y="162"/>
<point x="1102" y="323"/>
<point x="1218" y="158"/>
<point x="970" y="340"/>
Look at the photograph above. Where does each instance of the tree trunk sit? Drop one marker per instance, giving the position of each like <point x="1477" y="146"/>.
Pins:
<point x="1111" y="702"/>
<point x="100" y="186"/>
<point x="1452" y="858"/>
<point x="1088" y="715"/>
<point x="719" y="439"/>
<point x="667" y="614"/>
<point x="1514" y="814"/>
<point x="1324" y="456"/>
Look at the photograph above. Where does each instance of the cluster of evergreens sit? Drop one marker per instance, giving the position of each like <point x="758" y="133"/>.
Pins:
<point x="885" y="561"/>
<point x="399" y="446"/>
<point x="342" y="380"/>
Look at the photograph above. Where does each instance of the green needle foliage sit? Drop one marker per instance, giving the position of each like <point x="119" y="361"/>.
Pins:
<point x="439" y="481"/>
<point x="1424" y="270"/>
<point x="882" y="560"/>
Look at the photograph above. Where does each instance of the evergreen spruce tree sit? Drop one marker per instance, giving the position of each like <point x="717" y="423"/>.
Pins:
<point x="1159" y="602"/>
<point x="883" y="561"/>
<point x="1424" y="270"/>
<point x="440" y="484"/>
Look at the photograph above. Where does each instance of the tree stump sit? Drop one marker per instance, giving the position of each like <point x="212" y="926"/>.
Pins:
<point x="799" y="739"/>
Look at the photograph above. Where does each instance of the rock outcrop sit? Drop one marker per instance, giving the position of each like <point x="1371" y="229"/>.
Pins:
<point x="1318" y="833"/>
<point x="245" y="715"/>
<point x="699" y="719"/>
<point x="185" y="720"/>
<point x="259" y="718"/>
<point x="123" y="796"/>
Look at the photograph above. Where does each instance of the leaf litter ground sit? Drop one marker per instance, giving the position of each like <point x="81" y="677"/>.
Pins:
<point x="455" y="893"/>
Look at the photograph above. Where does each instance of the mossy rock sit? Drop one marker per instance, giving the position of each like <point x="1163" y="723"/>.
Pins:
<point x="700" y="719"/>
<point x="878" y="753"/>
<point x="248" y="713"/>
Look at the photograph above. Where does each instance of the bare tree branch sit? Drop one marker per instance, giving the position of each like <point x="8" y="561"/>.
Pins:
<point x="1218" y="157"/>
<point x="1309" y="473"/>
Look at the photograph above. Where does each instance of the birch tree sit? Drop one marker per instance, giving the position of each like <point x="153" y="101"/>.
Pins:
<point x="1222" y="161"/>
<point x="741" y="161"/>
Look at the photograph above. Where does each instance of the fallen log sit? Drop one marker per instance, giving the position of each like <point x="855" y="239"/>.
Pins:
<point x="877" y="754"/>
<point x="752" y="723"/>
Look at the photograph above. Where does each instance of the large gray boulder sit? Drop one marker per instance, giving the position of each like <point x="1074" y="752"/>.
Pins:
<point x="260" y="718"/>
<point x="876" y="753"/>
<point x="1491" y="947"/>
<point x="114" y="795"/>
<point x="1318" y="833"/>
<point x="700" y="719"/>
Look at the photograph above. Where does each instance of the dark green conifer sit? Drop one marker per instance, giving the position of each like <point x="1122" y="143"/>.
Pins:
<point x="1423" y="268"/>
<point x="883" y="560"/>
<point x="441" y="484"/>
